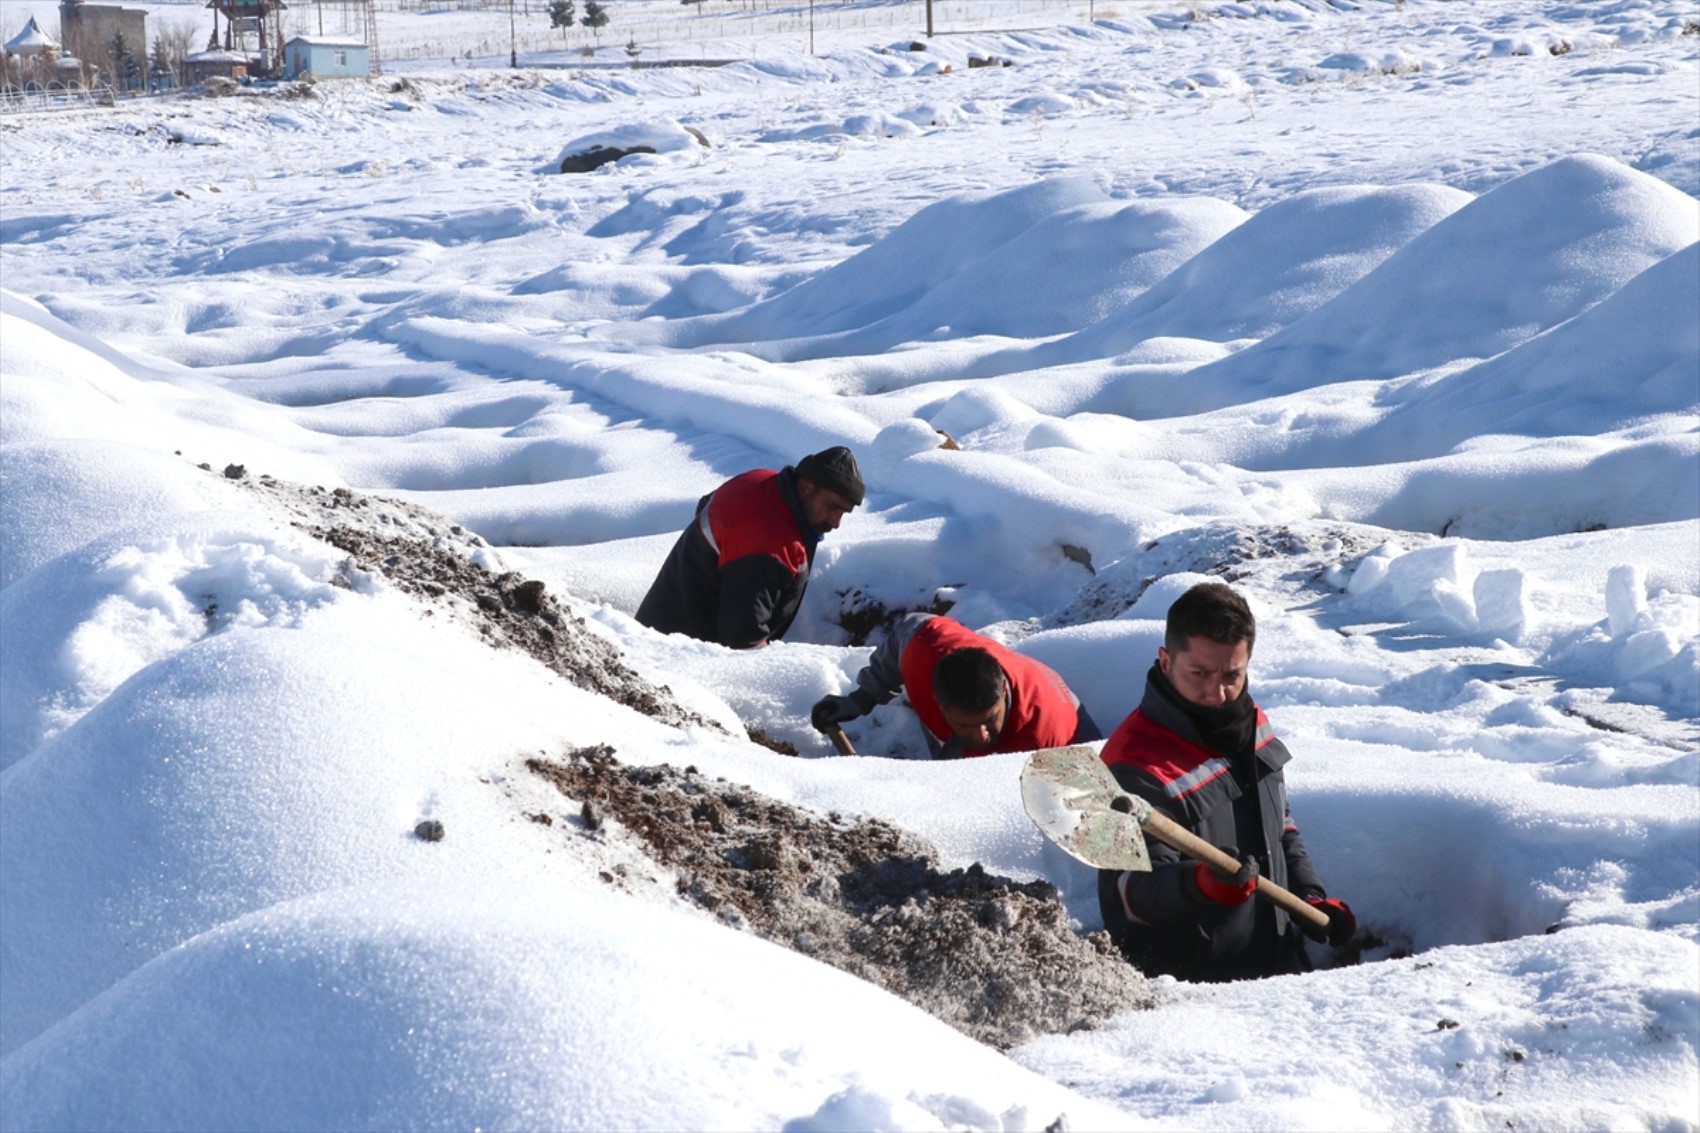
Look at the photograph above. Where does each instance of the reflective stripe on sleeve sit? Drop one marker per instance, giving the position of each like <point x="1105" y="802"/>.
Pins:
<point x="707" y="530"/>
<point x="1121" y="888"/>
<point x="1196" y="778"/>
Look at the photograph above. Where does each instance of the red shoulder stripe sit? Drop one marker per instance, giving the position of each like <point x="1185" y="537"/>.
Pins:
<point x="1179" y="765"/>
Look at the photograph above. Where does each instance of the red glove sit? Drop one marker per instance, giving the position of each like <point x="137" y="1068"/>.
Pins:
<point x="1341" y="923"/>
<point x="1227" y="888"/>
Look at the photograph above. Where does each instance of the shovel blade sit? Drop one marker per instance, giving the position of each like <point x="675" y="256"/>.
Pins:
<point x="1068" y="794"/>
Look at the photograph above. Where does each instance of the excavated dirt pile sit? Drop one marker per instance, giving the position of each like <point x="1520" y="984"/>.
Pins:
<point x="429" y="557"/>
<point x="994" y="958"/>
<point x="513" y="612"/>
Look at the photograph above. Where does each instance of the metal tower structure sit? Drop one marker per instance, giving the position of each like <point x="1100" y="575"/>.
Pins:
<point x="260" y="19"/>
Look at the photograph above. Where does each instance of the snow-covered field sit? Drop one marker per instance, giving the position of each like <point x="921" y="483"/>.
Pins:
<point x="1387" y="312"/>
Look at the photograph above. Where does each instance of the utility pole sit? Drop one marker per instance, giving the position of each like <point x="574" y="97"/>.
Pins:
<point x="811" y="25"/>
<point x="513" y="42"/>
<point x="929" y="19"/>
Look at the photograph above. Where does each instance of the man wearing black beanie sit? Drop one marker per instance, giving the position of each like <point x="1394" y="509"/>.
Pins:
<point x="737" y="573"/>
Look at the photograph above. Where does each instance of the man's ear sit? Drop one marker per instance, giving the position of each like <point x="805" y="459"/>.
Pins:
<point x="1164" y="660"/>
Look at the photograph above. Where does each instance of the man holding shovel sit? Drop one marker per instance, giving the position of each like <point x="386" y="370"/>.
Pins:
<point x="1201" y="752"/>
<point x="974" y="696"/>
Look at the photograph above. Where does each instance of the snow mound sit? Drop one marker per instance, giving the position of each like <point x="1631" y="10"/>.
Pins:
<point x="1383" y="63"/>
<point x="1634" y="356"/>
<point x="411" y="1018"/>
<point x="947" y="272"/>
<point x="240" y="812"/>
<point x="73" y="633"/>
<point x="594" y="150"/>
<point x="60" y="495"/>
<point x="1518" y="260"/>
<point x="864" y="126"/>
<point x="1282" y="263"/>
<point x="73" y="468"/>
<point x="1483" y="1037"/>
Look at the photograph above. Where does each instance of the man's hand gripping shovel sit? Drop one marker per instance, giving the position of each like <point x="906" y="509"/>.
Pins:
<point x="840" y="740"/>
<point x="1075" y="801"/>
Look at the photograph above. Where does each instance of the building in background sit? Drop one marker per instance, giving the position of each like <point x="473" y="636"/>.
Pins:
<point x="339" y="21"/>
<point x="32" y="43"/>
<point x="29" y="57"/>
<point x="220" y="64"/>
<point x="111" y="42"/>
<point x="325" y="57"/>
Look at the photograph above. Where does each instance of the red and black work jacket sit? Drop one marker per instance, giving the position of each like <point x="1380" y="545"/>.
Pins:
<point x="1042" y="711"/>
<point x="737" y="573"/>
<point x="1235" y="800"/>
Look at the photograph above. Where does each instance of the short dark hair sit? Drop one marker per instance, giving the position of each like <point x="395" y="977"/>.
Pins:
<point x="968" y="679"/>
<point x="1210" y="609"/>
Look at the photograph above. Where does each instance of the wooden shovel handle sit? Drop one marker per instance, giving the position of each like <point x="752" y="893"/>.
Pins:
<point x="841" y="741"/>
<point x="1172" y="834"/>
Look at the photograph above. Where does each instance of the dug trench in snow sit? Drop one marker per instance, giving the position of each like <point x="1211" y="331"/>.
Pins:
<point x="995" y="958"/>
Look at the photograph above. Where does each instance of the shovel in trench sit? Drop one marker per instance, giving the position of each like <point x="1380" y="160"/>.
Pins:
<point x="840" y="740"/>
<point x="1075" y="801"/>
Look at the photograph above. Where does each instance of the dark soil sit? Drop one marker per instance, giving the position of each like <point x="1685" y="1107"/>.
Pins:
<point x="426" y="556"/>
<point x="995" y="958"/>
<point x="514" y="612"/>
<point x="864" y="618"/>
<point x="783" y="747"/>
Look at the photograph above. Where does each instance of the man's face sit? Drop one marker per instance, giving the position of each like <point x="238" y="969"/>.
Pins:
<point x="1206" y="672"/>
<point x="978" y="729"/>
<point x="824" y="508"/>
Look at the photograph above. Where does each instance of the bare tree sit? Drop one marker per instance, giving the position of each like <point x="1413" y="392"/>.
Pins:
<point x="179" y="37"/>
<point x="97" y="62"/>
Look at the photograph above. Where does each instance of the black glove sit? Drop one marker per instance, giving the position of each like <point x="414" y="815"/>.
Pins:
<point x="1227" y="888"/>
<point x="830" y="710"/>
<point x="1341" y="923"/>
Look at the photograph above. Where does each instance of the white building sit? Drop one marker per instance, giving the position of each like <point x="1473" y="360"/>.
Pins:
<point x="325" y="57"/>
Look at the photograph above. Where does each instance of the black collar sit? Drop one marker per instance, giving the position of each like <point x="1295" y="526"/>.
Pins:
<point x="1230" y="730"/>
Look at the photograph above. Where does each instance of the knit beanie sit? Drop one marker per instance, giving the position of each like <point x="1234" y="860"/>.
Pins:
<point x="834" y="469"/>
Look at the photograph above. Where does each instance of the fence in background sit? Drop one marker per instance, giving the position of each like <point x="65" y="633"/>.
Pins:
<point x="665" y="32"/>
<point x="668" y="26"/>
<point x="60" y="98"/>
